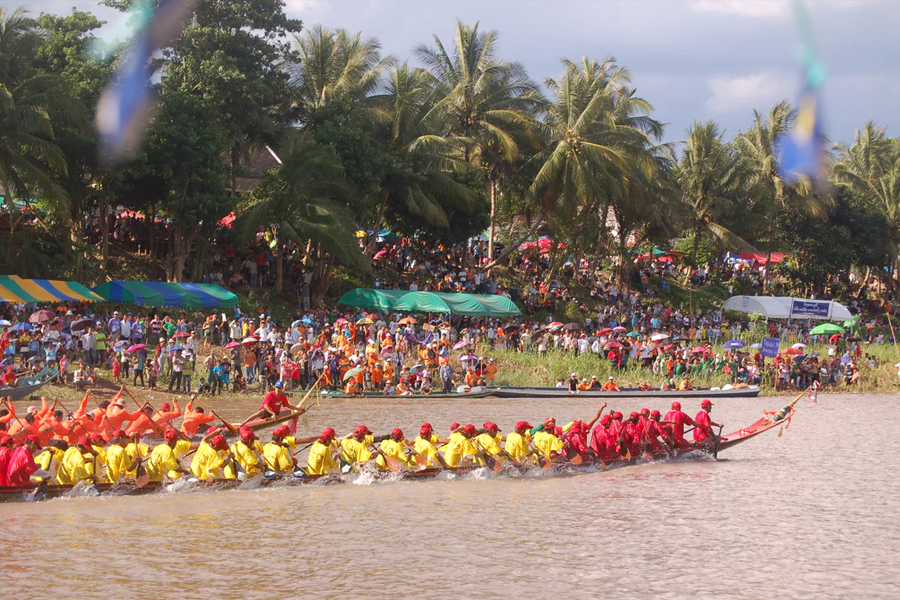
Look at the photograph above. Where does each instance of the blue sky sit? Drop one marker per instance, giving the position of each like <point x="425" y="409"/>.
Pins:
<point x="692" y="59"/>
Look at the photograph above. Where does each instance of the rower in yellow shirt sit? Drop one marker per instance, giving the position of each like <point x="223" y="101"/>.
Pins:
<point x="490" y="441"/>
<point x="73" y="468"/>
<point x="517" y="442"/>
<point x="164" y="458"/>
<point x="277" y="456"/>
<point x="545" y="440"/>
<point x="136" y="452"/>
<point x="96" y="459"/>
<point x="394" y="447"/>
<point x="355" y="447"/>
<point x="321" y="456"/>
<point x="457" y="452"/>
<point x="52" y="454"/>
<point x="248" y="455"/>
<point x="211" y="457"/>
<point x="118" y="462"/>
<point x="424" y="446"/>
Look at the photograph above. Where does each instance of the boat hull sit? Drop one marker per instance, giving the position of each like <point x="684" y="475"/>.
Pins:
<point x="521" y="392"/>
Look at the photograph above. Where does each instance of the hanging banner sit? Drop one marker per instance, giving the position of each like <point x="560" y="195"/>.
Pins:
<point x="801" y="309"/>
<point x="770" y="347"/>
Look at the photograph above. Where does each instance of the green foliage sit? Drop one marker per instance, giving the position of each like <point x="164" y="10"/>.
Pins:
<point x="706" y="251"/>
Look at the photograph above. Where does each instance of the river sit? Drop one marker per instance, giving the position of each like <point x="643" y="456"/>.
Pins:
<point x="809" y="514"/>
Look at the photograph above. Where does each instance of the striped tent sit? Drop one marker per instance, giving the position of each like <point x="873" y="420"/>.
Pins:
<point x="16" y="289"/>
<point x="161" y="293"/>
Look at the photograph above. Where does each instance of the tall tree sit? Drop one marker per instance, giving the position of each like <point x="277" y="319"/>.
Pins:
<point x="709" y="181"/>
<point x="489" y="102"/>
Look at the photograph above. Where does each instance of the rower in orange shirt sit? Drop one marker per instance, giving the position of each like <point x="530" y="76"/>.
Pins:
<point x="117" y="416"/>
<point x="144" y="423"/>
<point x="610" y="386"/>
<point x="194" y="418"/>
<point x="165" y="415"/>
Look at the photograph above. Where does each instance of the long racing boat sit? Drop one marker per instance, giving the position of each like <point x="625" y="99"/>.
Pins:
<point x="542" y="392"/>
<point x="612" y="460"/>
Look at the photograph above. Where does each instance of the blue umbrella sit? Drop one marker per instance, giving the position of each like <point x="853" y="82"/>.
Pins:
<point x="23" y="327"/>
<point x="307" y="320"/>
<point x="176" y="347"/>
<point x="734" y="344"/>
<point x="120" y="345"/>
<point x="295" y="323"/>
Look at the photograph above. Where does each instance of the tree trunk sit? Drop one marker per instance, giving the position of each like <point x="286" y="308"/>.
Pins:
<point x="493" y="192"/>
<point x="279" y="267"/>
<point x="181" y="242"/>
<point x="514" y="246"/>
<point x="199" y="258"/>
<point x="696" y="244"/>
<point x="233" y="172"/>
<point x="151" y="230"/>
<point x="104" y="229"/>
<point x="377" y="227"/>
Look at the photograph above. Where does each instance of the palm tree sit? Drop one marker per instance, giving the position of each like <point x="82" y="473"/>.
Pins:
<point x="708" y="178"/>
<point x="488" y="102"/>
<point x="599" y="132"/>
<point x="300" y="201"/>
<point x="333" y="64"/>
<point x="420" y="164"/>
<point x="29" y="101"/>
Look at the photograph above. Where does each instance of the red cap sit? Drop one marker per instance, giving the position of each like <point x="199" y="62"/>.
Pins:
<point x="165" y="406"/>
<point x="218" y="442"/>
<point x="470" y="429"/>
<point x="34" y="440"/>
<point x="617" y="415"/>
<point x="655" y="413"/>
<point x="605" y="419"/>
<point x="281" y="431"/>
<point x="633" y="415"/>
<point x="676" y="406"/>
<point x="425" y="429"/>
<point x="454" y="426"/>
<point x="5" y="440"/>
<point x="491" y="426"/>
<point x="362" y="430"/>
<point x="118" y="433"/>
<point x="97" y="438"/>
<point x="84" y="441"/>
<point x="549" y="420"/>
<point x="645" y="411"/>
<point x="523" y="425"/>
<point x="706" y="402"/>
<point x="170" y="435"/>
<point x="327" y="434"/>
<point x="576" y="427"/>
<point x="397" y="433"/>
<point x="211" y="429"/>
<point x="247" y="435"/>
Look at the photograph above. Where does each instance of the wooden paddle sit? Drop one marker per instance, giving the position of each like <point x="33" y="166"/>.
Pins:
<point x="228" y="425"/>
<point x="392" y="463"/>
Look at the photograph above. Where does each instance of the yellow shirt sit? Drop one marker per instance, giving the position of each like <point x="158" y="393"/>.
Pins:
<point x="489" y="443"/>
<point x="73" y="467"/>
<point x="208" y="462"/>
<point x="354" y="451"/>
<point x="163" y="461"/>
<point x="321" y="460"/>
<point x="278" y="458"/>
<point x="249" y="457"/>
<point x="425" y="447"/>
<point x="545" y="443"/>
<point x="136" y="451"/>
<point x="46" y="458"/>
<point x="116" y="460"/>
<point x="517" y="446"/>
<point x="455" y="452"/>
<point x="396" y="450"/>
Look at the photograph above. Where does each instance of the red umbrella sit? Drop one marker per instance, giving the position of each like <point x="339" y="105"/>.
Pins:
<point x="42" y="316"/>
<point x="698" y="350"/>
<point x="232" y="344"/>
<point x="614" y="345"/>
<point x="460" y="344"/>
<point x="605" y="331"/>
<point x="379" y="254"/>
<point x="182" y="334"/>
<point x="619" y="329"/>
<point x="136" y="347"/>
<point x="793" y="351"/>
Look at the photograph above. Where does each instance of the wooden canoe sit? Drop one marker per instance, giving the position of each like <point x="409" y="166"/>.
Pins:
<point x="523" y="392"/>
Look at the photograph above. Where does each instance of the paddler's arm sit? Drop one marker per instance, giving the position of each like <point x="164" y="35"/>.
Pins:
<point x="590" y="424"/>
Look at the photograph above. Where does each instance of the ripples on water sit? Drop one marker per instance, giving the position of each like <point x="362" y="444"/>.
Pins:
<point x="788" y="517"/>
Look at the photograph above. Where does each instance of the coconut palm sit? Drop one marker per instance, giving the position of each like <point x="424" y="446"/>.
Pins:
<point x="599" y="131"/>
<point x="300" y="201"/>
<point x="419" y="164"/>
<point x="333" y="63"/>
<point x="860" y="165"/>
<point x="488" y="102"/>
<point x="708" y="178"/>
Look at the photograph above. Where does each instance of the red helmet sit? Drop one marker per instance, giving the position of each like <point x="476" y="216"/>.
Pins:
<point x="618" y="415"/>
<point x="633" y="415"/>
<point x="654" y="414"/>
<point x="676" y="406"/>
<point x="218" y="442"/>
<point x="425" y="429"/>
<point x="523" y="425"/>
<point x="281" y="431"/>
<point x="645" y="411"/>
<point x="171" y="434"/>
<point x="470" y="429"/>
<point x="327" y="434"/>
<point x="491" y="426"/>
<point x="362" y="430"/>
<point x="706" y="402"/>
<point x="397" y="433"/>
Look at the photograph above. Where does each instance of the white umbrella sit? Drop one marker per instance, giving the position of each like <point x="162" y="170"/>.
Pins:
<point x="659" y="336"/>
<point x="799" y="346"/>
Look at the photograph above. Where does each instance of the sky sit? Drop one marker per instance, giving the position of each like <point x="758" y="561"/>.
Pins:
<point x="691" y="59"/>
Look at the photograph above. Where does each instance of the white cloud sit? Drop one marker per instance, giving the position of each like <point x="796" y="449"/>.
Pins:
<point x="744" y="8"/>
<point x="740" y="94"/>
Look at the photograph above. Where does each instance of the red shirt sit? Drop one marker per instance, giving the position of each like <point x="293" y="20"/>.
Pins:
<point x="654" y="431"/>
<point x="5" y="454"/>
<point x="274" y="401"/>
<point x="676" y="431"/>
<point x="21" y="466"/>
<point x="600" y="439"/>
<point x="703" y="426"/>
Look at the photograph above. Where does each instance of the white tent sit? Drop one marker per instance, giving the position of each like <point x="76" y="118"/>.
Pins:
<point x="785" y="307"/>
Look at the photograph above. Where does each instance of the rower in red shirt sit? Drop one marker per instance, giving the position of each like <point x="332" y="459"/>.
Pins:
<point x="6" y="453"/>
<point x="21" y="464"/>
<point x="654" y="432"/>
<point x="702" y="423"/>
<point x="631" y="435"/>
<point x="676" y="422"/>
<point x="601" y="440"/>
<point x="574" y="441"/>
<point x="272" y="404"/>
